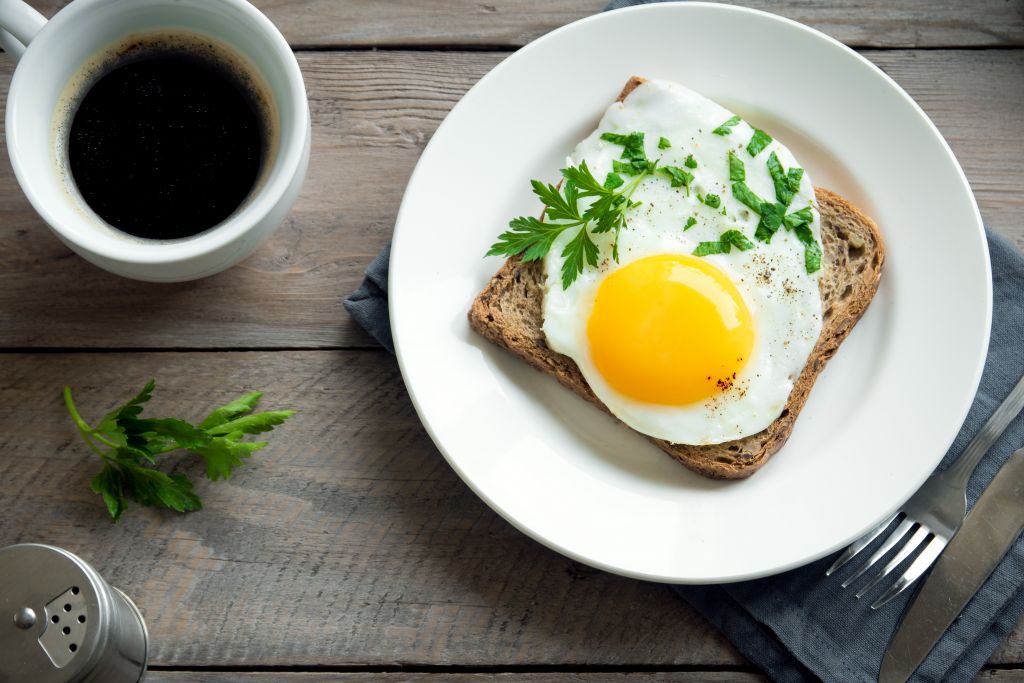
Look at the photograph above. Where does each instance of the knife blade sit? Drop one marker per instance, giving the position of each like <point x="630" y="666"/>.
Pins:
<point x="970" y="558"/>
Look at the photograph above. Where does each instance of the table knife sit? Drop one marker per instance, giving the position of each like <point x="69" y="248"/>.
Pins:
<point x="969" y="559"/>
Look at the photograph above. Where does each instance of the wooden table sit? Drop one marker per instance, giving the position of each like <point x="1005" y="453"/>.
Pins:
<point x="350" y="551"/>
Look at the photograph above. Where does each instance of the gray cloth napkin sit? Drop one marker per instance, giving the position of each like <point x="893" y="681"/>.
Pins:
<point x="800" y="626"/>
<point x="368" y="305"/>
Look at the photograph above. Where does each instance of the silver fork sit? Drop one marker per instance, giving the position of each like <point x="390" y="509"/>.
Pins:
<point x="933" y="514"/>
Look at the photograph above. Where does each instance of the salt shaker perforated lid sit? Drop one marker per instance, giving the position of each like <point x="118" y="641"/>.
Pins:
<point x="60" y="622"/>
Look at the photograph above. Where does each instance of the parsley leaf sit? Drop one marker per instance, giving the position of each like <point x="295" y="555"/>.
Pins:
<point x="737" y="171"/>
<point x="708" y="248"/>
<point x="229" y="411"/>
<point x="737" y="239"/>
<point x="690" y="222"/>
<point x="726" y="127"/>
<point x="579" y="251"/>
<point x="690" y="161"/>
<point x="812" y="250"/>
<point x="786" y="184"/>
<point x="727" y="240"/>
<point x="529" y="236"/>
<point x="663" y="143"/>
<point x="802" y="217"/>
<point x="128" y="444"/>
<point x="632" y="144"/>
<point x="635" y="167"/>
<point x="712" y="200"/>
<point x="793" y="178"/>
<point x="744" y="194"/>
<point x="556" y="206"/>
<point x="222" y="455"/>
<point x="613" y="180"/>
<point x="758" y="142"/>
<point x="771" y="219"/>
<point x="677" y="176"/>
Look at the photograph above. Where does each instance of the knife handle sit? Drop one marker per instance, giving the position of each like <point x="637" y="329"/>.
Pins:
<point x="963" y="467"/>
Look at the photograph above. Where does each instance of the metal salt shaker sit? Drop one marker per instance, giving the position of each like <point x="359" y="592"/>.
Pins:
<point x="60" y="622"/>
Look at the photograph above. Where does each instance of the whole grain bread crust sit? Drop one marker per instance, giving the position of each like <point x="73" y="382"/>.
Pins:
<point x="509" y="313"/>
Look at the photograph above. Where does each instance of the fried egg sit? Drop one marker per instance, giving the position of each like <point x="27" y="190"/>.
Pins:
<point x="690" y="349"/>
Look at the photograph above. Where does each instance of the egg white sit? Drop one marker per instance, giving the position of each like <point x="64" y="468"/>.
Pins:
<point x="782" y="297"/>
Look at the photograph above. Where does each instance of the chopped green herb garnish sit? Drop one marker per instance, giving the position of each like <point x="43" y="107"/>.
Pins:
<point x="812" y="250"/>
<point x="678" y="176"/>
<point x="634" y="167"/>
<point x="786" y="184"/>
<point x="744" y="194"/>
<point x="728" y="240"/>
<point x="737" y="171"/>
<point x="802" y="217"/>
<point x="632" y="144"/>
<point x="128" y="445"/>
<point x="690" y="222"/>
<point x="793" y="178"/>
<point x="613" y="180"/>
<point x="712" y="200"/>
<point x="663" y="143"/>
<point x="726" y="127"/>
<point x="690" y="161"/>
<point x="771" y="219"/>
<point x="758" y="142"/>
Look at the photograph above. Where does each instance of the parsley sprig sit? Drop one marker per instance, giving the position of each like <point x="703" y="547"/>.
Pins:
<point x="532" y="238"/>
<point x="128" y="445"/>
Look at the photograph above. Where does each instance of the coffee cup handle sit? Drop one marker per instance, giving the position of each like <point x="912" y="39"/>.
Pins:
<point x="19" y="24"/>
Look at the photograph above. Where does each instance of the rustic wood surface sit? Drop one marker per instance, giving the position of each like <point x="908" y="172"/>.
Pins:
<point x="372" y="114"/>
<point x="512" y="23"/>
<point x="506" y="677"/>
<point x="349" y="550"/>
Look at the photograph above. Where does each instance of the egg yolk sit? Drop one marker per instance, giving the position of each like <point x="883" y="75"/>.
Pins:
<point x="670" y="329"/>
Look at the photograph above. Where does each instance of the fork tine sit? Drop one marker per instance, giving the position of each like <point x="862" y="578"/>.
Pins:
<point x="858" y="545"/>
<point x="914" y="571"/>
<point x="910" y="546"/>
<point x="894" y="538"/>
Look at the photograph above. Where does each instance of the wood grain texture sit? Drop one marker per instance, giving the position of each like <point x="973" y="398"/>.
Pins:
<point x="372" y="114"/>
<point x="988" y="676"/>
<point x="348" y="541"/>
<point x="511" y="23"/>
<point x="427" y="677"/>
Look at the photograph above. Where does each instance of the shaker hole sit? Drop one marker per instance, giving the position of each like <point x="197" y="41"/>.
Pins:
<point x="55" y="618"/>
<point x="74" y="590"/>
<point x="81" y="618"/>
<point x="67" y="608"/>
<point x="66" y="630"/>
<point x="72" y="647"/>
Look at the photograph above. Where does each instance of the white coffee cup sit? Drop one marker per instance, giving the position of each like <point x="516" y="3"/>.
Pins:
<point x="50" y="53"/>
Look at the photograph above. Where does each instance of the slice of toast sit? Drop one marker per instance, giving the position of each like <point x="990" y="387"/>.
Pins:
<point x="510" y="313"/>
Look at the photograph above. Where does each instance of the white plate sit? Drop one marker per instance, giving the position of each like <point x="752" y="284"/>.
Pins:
<point x="879" y="418"/>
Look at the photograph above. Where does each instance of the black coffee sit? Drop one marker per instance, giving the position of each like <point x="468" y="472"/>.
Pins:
<point x="166" y="145"/>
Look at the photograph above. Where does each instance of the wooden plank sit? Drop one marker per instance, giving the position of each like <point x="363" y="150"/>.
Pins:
<point x="511" y="23"/>
<point x="347" y="542"/>
<point x="428" y="677"/>
<point x="372" y="113"/>
<point x="1001" y="676"/>
<point x="988" y="676"/>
